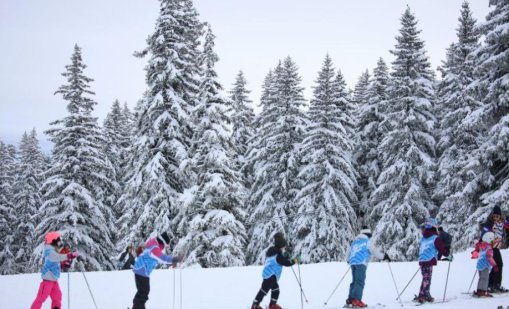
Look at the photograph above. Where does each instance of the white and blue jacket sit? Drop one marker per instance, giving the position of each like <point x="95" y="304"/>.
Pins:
<point x="51" y="268"/>
<point x="151" y="256"/>
<point x="274" y="263"/>
<point x="427" y="249"/>
<point x="361" y="251"/>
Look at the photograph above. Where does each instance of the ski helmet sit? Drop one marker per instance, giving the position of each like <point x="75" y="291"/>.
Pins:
<point x="488" y="237"/>
<point x="431" y="223"/>
<point x="51" y="236"/>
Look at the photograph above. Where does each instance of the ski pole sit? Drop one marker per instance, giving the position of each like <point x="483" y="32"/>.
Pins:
<point x="86" y="281"/>
<point x="174" y="287"/>
<point x="408" y="283"/>
<point x="394" y="280"/>
<point x="300" y="280"/>
<point x="300" y="286"/>
<point x="180" y="270"/>
<point x="337" y="286"/>
<point x="68" y="289"/>
<point x="447" y="279"/>
<point x="471" y="282"/>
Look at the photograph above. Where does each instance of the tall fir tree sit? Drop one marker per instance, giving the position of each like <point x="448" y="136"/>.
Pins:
<point x="276" y="163"/>
<point x="402" y="200"/>
<point x="27" y="199"/>
<point x="370" y="117"/>
<point x="163" y="130"/>
<point x="242" y="119"/>
<point x="325" y="222"/>
<point x="212" y="221"/>
<point x="8" y="166"/>
<point x="77" y="184"/>
<point x="456" y="141"/>
<point x="491" y="119"/>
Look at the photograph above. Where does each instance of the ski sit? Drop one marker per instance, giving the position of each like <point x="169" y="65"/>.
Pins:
<point x="376" y="306"/>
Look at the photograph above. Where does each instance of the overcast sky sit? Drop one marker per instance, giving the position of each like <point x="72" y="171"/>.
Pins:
<point x="37" y="39"/>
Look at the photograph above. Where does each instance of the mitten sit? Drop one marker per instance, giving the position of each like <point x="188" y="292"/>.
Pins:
<point x="73" y="255"/>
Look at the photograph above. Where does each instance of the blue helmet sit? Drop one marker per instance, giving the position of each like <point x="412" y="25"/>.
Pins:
<point x="430" y="223"/>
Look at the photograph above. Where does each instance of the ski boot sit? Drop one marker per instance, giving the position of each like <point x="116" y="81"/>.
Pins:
<point x="423" y="299"/>
<point x="356" y="303"/>
<point x="482" y="293"/>
<point x="275" y="306"/>
<point x="500" y="289"/>
<point x="256" y="307"/>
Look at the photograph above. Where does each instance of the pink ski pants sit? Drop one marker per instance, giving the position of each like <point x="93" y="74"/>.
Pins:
<point x="51" y="289"/>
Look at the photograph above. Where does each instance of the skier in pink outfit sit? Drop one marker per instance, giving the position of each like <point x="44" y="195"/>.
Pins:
<point x="51" y="272"/>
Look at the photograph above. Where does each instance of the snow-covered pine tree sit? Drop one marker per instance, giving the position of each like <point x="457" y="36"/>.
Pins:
<point x="212" y="220"/>
<point x="360" y="92"/>
<point x="402" y="200"/>
<point x="456" y="141"/>
<point x="27" y="199"/>
<point x="78" y="181"/>
<point x="280" y="129"/>
<point x="8" y="167"/>
<point x="492" y="119"/>
<point x="325" y="222"/>
<point x="242" y="118"/>
<point x="162" y="134"/>
<point x="117" y="133"/>
<point x="369" y="135"/>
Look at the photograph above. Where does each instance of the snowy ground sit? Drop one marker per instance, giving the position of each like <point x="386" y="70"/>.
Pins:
<point x="235" y="288"/>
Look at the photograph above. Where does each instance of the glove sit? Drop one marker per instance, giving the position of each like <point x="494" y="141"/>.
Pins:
<point x="176" y="259"/>
<point x="66" y="264"/>
<point x="73" y="255"/>
<point x="296" y="260"/>
<point x="386" y="258"/>
<point x="449" y="258"/>
<point x="475" y="254"/>
<point x="286" y="254"/>
<point x="496" y="269"/>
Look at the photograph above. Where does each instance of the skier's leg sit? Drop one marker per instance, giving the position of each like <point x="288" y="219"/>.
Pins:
<point x="274" y="295"/>
<point x="42" y="294"/>
<point x="497" y="276"/>
<point x="351" y="292"/>
<point x="143" y="287"/>
<point x="266" y="285"/>
<point x="426" y="281"/>
<point x="56" y="296"/>
<point x="361" y="278"/>
<point x="484" y="277"/>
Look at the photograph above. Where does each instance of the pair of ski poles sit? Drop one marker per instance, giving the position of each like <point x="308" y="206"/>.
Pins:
<point x="299" y="282"/>
<point x="82" y="270"/>
<point x="174" y="287"/>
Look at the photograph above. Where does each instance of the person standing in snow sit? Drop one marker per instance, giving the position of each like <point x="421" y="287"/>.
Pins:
<point x="274" y="262"/>
<point x="496" y="224"/>
<point x="145" y="264"/>
<point x="485" y="264"/>
<point x="65" y="265"/>
<point x="50" y="272"/>
<point x="430" y="246"/>
<point x="358" y="259"/>
<point x="126" y="260"/>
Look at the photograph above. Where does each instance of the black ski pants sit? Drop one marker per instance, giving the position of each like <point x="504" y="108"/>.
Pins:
<point x="143" y="287"/>
<point x="268" y="285"/>
<point x="496" y="277"/>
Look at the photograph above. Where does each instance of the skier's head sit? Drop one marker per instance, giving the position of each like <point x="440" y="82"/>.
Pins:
<point x="53" y="238"/>
<point x="163" y="239"/>
<point x="488" y="237"/>
<point x="496" y="213"/>
<point x="431" y="223"/>
<point x="279" y="240"/>
<point x="366" y="231"/>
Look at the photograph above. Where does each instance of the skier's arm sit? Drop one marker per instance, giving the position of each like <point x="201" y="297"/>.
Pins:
<point x="283" y="261"/>
<point x="489" y="255"/>
<point x="57" y="257"/>
<point x="122" y="256"/>
<point x="377" y="254"/>
<point x="162" y="258"/>
<point x="440" y="247"/>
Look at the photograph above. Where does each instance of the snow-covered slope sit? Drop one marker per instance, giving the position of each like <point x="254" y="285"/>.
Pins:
<point x="235" y="288"/>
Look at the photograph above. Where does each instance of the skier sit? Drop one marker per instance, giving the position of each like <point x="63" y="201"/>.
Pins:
<point x="274" y="262"/>
<point x="496" y="224"/>
<point x="65" y="265"/>
<point x="485" y="264"/>
<point x="145" y="264"/>
<point x="446" y="240"/>
<point x="358" y="258"/>
<point x="51" y="272"/>
<point x="126" y="260"/>
<point x="430" y="246"/>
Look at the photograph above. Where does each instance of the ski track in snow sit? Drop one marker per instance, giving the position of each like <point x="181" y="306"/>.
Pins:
<point x="235" y="287"/>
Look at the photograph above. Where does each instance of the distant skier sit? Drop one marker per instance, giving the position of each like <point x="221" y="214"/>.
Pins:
<point x="485" y="264"/>
<point x="126" y="259"/>
<point x="145" y="264"/>
<point x="358" y="259"/>
<point x="274" y="262"/>
<point x="430" y="246"/>
<point x="50" y="272"/>
<point x="446" y="240"/>
<point x="496" y="224"/>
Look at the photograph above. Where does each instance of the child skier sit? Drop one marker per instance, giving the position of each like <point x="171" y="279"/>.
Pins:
<point x="51" y="272"/>
<point x="358" y="258"/>
<point x="274" y="262"/>
<point x="485" y="264"/>
<point x="431" y="245"/>
<point x="145" y="264"/>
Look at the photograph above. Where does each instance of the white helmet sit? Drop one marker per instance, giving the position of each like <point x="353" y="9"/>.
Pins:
<point x="488" y="237"/>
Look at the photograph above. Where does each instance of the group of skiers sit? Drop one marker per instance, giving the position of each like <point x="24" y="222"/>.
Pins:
<point x="434" y="244"/>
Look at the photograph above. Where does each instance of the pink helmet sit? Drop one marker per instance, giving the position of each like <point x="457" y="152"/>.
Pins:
<point x="51" y="236"/>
